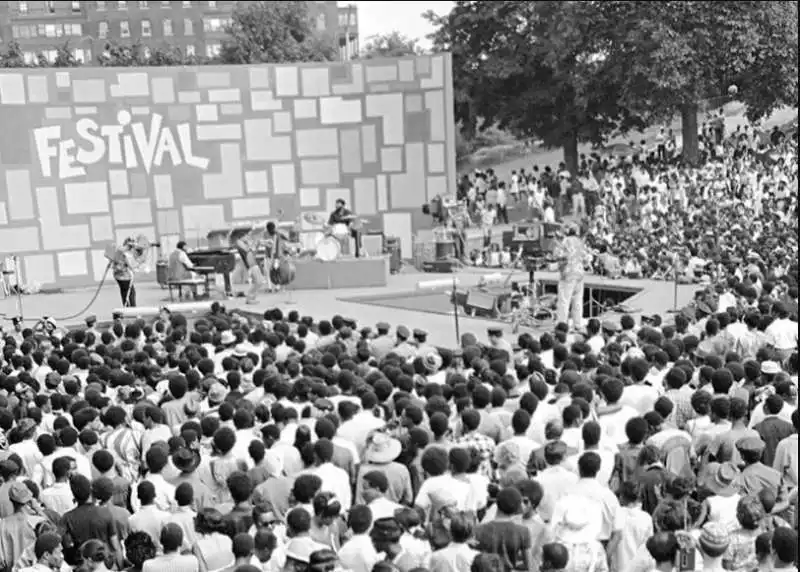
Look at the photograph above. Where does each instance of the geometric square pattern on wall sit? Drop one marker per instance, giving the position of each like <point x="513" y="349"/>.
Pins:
<point x="90" y="155"/>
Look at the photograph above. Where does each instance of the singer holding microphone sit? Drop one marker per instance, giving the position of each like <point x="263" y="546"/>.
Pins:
<point x="123" y="268"/>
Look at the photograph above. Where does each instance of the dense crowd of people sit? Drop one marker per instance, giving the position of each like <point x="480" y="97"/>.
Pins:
<point x="648" y="215"/>
<point x="289" y="443"/>
<point x="306" y="444"/>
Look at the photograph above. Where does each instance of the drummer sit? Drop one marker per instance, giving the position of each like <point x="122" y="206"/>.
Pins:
<point x="341" y="215"/>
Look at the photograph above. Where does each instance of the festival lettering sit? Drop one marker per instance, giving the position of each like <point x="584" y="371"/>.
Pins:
<point x="128" y="144"/>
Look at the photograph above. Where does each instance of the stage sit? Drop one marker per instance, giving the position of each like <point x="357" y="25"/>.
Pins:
<point x="652" y="298"/>
<point x="347" y="272"/>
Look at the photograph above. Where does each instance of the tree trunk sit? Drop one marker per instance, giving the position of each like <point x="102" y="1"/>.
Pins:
<point x="571" y="153"/>
<point x="691" y="147"/>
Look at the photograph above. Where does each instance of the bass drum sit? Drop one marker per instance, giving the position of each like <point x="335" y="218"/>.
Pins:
<point x="340" y="231"/>
<point x="328" y="249"/>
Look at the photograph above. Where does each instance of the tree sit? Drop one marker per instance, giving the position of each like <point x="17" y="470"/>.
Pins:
<point x="13" y="57"/>
<point x="670" y="57"/>
<point x="65" y="57"/>
<point x="532" y="67"/>
<point x="137" y="54"/>
<point x="391" y="45"/>
<point x="274" y="32"/>
<point x="120" y="55"/>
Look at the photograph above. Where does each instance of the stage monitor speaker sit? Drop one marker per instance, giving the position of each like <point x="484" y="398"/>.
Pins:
<point x="481" y="300"/>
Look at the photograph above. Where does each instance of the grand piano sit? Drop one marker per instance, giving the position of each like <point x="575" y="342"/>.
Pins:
<point x="215" y="261"/>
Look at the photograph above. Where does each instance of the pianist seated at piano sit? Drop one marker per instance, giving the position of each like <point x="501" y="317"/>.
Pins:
<point x="180" y="267"/>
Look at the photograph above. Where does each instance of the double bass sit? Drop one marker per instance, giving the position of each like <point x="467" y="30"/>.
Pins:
<point x="281" y="267"/>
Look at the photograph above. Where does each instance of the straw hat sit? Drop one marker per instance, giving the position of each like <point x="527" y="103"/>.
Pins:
<point x="381" y="448"/>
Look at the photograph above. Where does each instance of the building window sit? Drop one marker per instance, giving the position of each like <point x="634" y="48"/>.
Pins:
<point x="147" y="29"/>
<point x="187" y="3"/>
<point x="124" y="29"/>
<point x="51" y="6"/>
<point x="213" y="49"/>
<point x="167" y="27"/>
<point x="353" y="19"/>
<point x="50" y="55"/>
<point x="322" y="21"/>
<point x="73" y="29"/>
<point x="212" y="4"/>
<point x="188" y="27"/>
<point x="146" y="51"/>
<point x="342" y="19"/>
<point x="79" y="54"/>
<point x="144" y="4"/>
<point x="101" y="5"/>
<point x="122" y="5"/>
<point x="29" y="57"/>
<point x="166" y="4"/>
<point x="22" y="7"/>
<point x="190" y="50"/>
<point x="102" y="30"/>
<point x="216" y="24"/>
<point x="76" y="5"/>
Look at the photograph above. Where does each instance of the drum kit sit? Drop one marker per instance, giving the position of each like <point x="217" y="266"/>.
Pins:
<point x="330" y="247"/>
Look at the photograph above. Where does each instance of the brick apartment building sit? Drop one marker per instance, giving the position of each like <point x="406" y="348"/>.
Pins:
<point x="197" y="27"/>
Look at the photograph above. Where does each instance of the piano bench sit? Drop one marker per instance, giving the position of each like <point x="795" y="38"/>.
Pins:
<point x="190" y="283"/>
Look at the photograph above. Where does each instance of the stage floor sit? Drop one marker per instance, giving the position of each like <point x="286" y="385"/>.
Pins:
<point x="653" y="297"/>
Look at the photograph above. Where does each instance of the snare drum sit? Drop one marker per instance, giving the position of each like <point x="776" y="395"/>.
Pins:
<point x="328" y="249"/>
<point x="340" y="231"/>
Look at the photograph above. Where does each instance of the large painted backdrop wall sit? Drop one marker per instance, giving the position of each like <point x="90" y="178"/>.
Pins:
<point x="91" y="155"/>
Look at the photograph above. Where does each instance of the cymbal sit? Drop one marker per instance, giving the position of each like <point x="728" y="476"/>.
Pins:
<point x="313" y="218"/>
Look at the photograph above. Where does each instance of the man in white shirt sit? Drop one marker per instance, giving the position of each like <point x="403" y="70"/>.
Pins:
<point x="358" y="554"/>
<point x="595" y="496"/>
<point x="58" y="497"/>
<point x="376" y="484"/>
<point x="555" y="480"/>
<point x="149" y="518"/>
<point x="334" y="479"/>
<point x="782" y="333"/>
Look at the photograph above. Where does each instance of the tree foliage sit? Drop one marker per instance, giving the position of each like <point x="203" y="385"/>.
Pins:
<point x="391" y="45"/>
<point x="580" y="71"/>
<point x="274" y="32"/>
<point x="669" y="57"/>
<point x="65" y="57"/>
<point x="137" y="54"/>
<point x="13" y="57"/>
<point x="531" y="67"/>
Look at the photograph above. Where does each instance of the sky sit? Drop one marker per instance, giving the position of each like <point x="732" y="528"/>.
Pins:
<point x="405" y="17"/>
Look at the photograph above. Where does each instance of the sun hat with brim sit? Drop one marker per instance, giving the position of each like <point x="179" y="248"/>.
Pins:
<point x="714" y="537"/>
<point x="432" y="362"/>
<point x="217" y="393"/>
<point x="18" y="493"/>
<point x="722" y="481"/>
<point x="770" y="368"/>
<point x="227" y="338"/>
<point x="241" y="350"/>
<point x="381" y="448"/>
<point x="186" y="460"/>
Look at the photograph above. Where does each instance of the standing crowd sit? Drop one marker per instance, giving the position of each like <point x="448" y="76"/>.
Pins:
<point x="646" y="214"/>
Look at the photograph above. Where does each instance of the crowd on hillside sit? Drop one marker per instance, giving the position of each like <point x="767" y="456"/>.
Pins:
<point x="305" y="444"/>
<point x="647" y="215"/>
